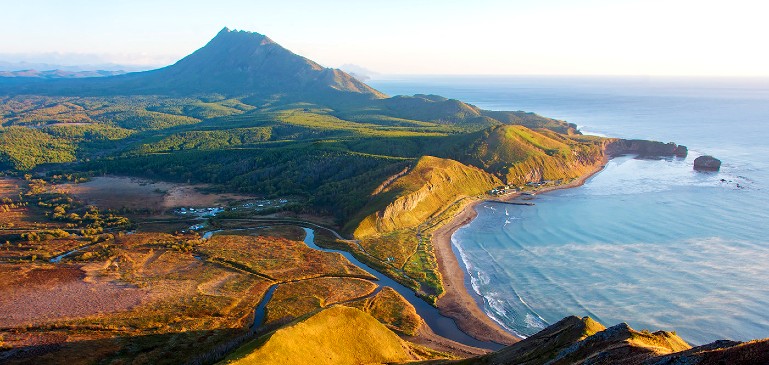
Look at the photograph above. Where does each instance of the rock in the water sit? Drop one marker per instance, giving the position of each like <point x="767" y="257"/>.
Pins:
<point x="681" y="151"/>
<point x="707" y="163"/>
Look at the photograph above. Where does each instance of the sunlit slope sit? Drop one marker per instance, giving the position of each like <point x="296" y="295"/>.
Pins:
<point x="517" y="154"/>
<point x="472" y="164"/>
<point x="574" y="340"/>
<point x="338" y="336"/>
<point x="425" y="190"/>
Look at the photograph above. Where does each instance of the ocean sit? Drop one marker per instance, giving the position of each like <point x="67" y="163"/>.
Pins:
<point x="648" y="242"/>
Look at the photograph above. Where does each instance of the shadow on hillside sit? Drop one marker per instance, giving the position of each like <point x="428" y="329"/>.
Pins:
<point x="190" y="347"/>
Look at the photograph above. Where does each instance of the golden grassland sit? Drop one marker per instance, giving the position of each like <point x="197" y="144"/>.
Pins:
<point x="145" y="289"/>
<point x="262" y="228"/>
<point x="277" y="258"/>
<point x="338" y="335"/>
<point x="294" y="299"/>
<point x="430" y="186"/>
<point x="392" y="310"/>
<point x="395" y="233"/>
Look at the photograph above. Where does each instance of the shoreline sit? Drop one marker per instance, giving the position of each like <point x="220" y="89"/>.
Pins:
<point x="459" y="301"/>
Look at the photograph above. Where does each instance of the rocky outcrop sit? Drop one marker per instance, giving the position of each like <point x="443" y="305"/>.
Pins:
<point x="644" y="148"/>
<point x="547" y="343"/>
<point x="707" y="163"/>
<point x="584" y="341"/>
<point x="681" y="151"/>
<point x="720" y="352"/>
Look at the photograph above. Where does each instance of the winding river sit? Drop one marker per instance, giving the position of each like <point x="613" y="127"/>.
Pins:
<point x="440" y="324"/>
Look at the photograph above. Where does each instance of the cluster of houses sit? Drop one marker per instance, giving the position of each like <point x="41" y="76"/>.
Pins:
<point x="197" y="227"/>
<point x="504" y="190"/>
<point x="200" y="212"/>
<point x="210" y="212"/>
<point x="264" y="203"/>
<point x="536" y="184"/>
<point x="511" y="189"/>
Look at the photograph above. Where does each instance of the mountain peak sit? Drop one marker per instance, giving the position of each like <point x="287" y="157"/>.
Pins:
<point x="242" y="36"/>
<point x="243" y="62"/>
<point x="235" y="63"/>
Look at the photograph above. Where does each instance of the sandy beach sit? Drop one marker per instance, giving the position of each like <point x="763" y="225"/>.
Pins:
<point x="458" y="302"/>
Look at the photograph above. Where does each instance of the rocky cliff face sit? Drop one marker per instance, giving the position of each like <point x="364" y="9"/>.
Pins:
<point x="426" y="189"/>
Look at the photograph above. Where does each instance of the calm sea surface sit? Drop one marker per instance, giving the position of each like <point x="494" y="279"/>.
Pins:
<point x="648" y="242"/>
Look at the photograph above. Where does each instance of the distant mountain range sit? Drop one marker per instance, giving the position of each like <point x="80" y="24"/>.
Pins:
<point x="360" y="73"/>
<point x="69" y="66"/>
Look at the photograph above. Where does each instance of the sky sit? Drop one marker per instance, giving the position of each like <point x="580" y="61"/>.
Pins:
<point x="492" y="37"/>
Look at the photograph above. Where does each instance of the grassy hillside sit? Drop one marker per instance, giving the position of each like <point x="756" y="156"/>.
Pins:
<point x="335" y="336"/>
<point x="428" y="187"/>
<point x="518" y="155"/>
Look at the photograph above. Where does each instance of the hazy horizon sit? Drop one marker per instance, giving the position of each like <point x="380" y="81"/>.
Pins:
<point x="491" y="37"/>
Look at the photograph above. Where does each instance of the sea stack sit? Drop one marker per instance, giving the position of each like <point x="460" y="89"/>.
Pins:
<point x="707" y="163"/>
<point x="681" y="151"/>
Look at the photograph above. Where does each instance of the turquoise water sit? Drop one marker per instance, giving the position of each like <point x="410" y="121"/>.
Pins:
<point x="648" y="242"/>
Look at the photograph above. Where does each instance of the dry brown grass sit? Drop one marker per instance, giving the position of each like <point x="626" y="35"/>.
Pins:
<point x="11" y="187"/>
<point x="119" y="192"/>
<point x="44" y="294"/>
<point x="277" y="258"/>
<point x="392" y="310"/>
<point x="42" y="251"/>
<point x="234" y="227"/>
<point x="142" y="290"/>
<point x="22" y="216"/>
<point x="292" y="300"/>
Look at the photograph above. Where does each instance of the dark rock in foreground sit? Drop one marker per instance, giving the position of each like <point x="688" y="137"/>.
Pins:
<point x="576" y="340"/>
<point x="707" y="163"/>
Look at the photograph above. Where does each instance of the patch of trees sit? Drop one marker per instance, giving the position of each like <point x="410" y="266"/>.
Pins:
<point x="24" y="148"/>
<point x="208" y="140"/>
